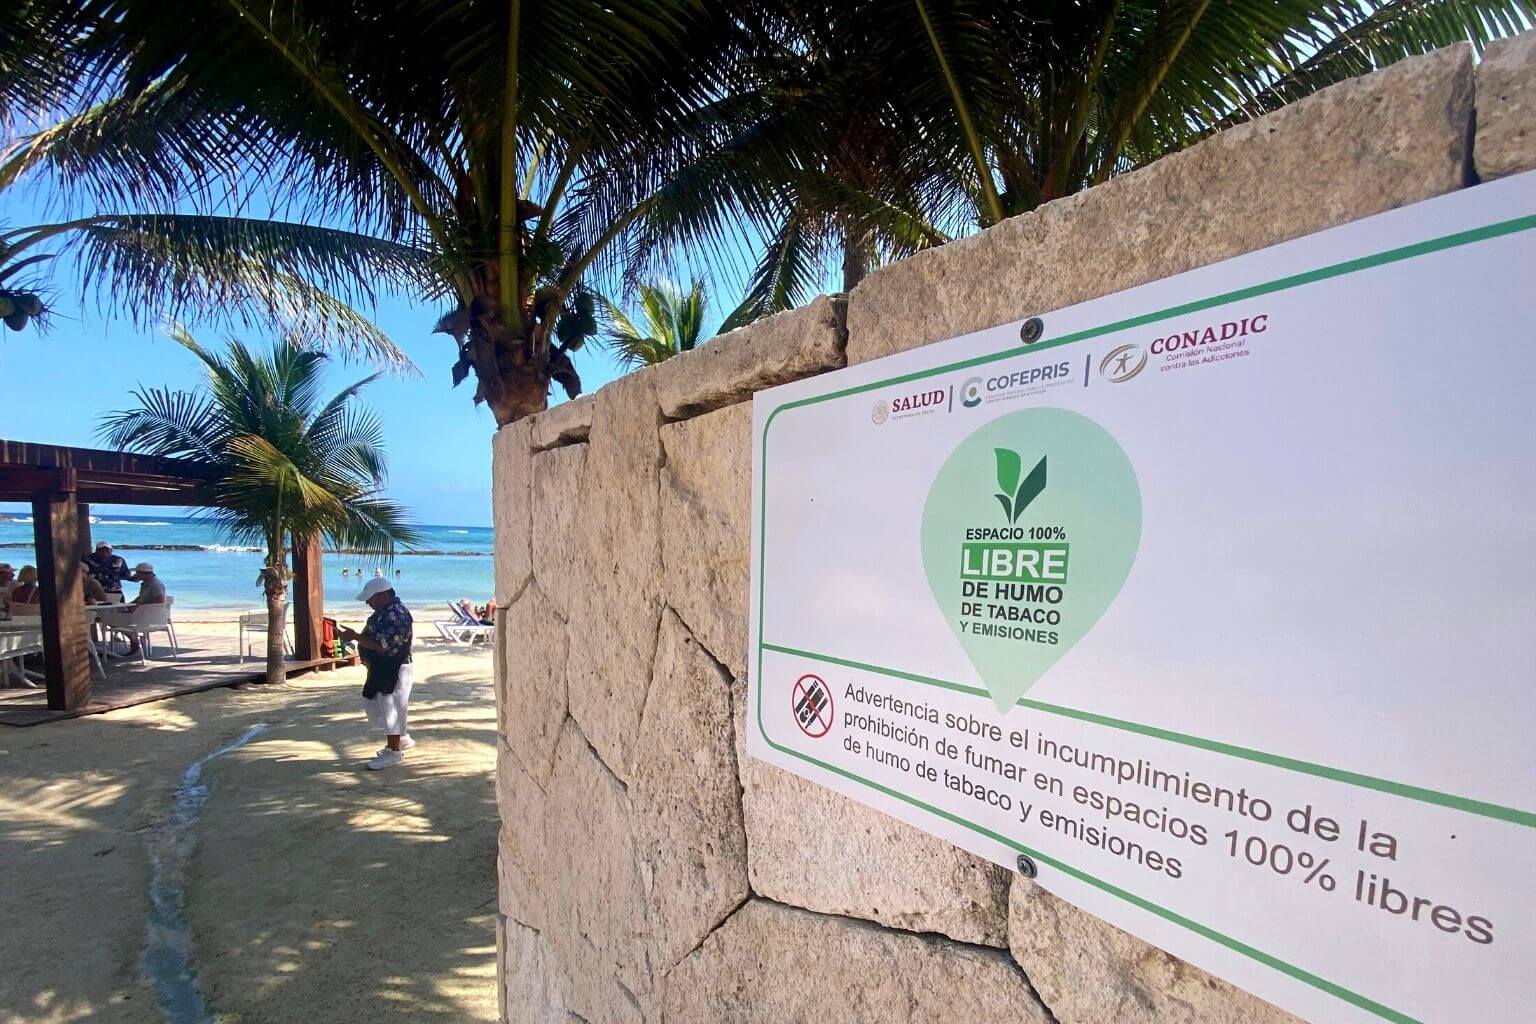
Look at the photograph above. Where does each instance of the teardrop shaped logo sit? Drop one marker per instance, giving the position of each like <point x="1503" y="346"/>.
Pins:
<point x="1029" y="532"/>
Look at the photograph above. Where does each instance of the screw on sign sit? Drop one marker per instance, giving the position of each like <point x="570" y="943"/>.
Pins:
<point x="812" y="702"/>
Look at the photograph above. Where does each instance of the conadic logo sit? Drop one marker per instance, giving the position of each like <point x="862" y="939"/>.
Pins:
<point x="1122" y="363"/>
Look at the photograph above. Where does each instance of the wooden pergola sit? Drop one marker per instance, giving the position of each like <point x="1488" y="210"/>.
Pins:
<point x="61" y="484"/>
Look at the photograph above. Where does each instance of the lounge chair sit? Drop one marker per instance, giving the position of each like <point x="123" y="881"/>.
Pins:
<point x="463" y="630"/>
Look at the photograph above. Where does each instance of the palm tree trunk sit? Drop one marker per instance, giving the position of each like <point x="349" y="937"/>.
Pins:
<point x="275" y="585"/>
<point x="858" y="254"/>
<point x="510" y="378"/>
<point x="277" y="613"/>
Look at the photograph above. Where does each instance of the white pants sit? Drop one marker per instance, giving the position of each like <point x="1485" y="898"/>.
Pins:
<point x="387" y="710"/>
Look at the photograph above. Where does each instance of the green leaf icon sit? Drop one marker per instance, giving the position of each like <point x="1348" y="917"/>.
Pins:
<point x="1019" y="596"/>
<point x="1029" y="490"/>
<point x="1016" y="497"/>
<point x="1009" y="465"/>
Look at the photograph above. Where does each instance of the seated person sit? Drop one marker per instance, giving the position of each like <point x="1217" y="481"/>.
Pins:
<point x="151" y="591"/>
<point x="151" y="587"/>
<point x="7" y="580"/>
<point x="487" y="614"/>
<point x="26" y="590"/>
<point x="94" y="592"/>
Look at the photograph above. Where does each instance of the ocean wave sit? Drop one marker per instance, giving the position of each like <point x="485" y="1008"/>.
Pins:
<point x="458" y="531"/>
<point x="129" y="522"/>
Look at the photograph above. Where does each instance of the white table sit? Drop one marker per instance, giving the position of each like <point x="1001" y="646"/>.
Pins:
<point x="19" y="638"/>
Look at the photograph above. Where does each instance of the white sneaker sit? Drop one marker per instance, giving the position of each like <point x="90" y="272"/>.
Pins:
<point x="406" y="743"/>
<point x="388" y="759"/>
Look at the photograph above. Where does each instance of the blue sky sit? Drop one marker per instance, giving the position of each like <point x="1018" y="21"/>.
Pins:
<point x="54" y="387"/>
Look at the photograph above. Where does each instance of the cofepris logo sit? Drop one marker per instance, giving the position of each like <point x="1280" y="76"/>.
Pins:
<point x="1020" y="589"/>
<point x="1029" y="380"/>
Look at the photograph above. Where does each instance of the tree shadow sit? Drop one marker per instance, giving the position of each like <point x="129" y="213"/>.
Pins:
<point x="306" y="885"/>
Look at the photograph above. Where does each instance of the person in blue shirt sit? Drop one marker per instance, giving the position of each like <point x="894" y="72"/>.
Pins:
<point x="385" y="647"/>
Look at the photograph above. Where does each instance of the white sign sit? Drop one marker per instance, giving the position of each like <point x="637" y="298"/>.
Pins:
<point x="1215" y="601"/>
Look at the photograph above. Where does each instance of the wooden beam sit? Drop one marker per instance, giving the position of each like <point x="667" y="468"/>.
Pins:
<point x="83" y="510"/>
<point x="56" y="529"/>
<point x="36" y="480"/>
<point x="308" y="598"/>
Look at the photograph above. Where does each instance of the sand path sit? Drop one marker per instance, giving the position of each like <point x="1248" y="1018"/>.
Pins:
<point x="315" y="890"/>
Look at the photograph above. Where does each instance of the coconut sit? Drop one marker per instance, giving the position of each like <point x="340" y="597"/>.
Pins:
<point x="7" y="306"/>
<point x="30" y="303"/>
<point x="17" y="320"/>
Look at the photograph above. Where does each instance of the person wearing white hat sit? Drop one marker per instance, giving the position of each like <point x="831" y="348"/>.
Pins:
<point x="106" y="568"/>
<point x="151" y="591"/>
<point x="385" y="646"/>
<point x="151" y="587"/>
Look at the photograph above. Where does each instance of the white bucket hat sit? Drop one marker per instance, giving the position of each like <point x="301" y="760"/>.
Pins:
<point x="143" y="567"/>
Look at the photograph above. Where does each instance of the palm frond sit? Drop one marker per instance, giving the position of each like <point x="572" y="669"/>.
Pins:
<point x="248" y="272"/>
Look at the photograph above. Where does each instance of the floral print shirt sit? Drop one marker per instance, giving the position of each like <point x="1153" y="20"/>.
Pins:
<point x="108" y="570"/>
<point x="390" y="627"/>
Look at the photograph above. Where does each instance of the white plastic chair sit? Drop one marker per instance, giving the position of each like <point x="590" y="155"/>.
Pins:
<point x="256" y="622"/>
<point x="144" y="621"/>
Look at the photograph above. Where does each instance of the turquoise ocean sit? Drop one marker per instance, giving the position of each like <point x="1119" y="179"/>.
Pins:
<point x="205" y="573"/>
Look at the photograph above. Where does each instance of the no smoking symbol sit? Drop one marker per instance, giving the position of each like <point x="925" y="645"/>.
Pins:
<point x="812" y="702"/>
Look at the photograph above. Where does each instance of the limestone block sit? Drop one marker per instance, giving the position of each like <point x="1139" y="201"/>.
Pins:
<point x="810" y="847"/>
<point x="533" y="700"/>
<point x="771" y="964"/>
<point x="614" y="603"/>
<point x="686" y="796"/>
<point x="557" y="509"/>
<point x="517" y="895"/>
<point x="598" y="926"/>
<point x="565" y="423"/>
<point x="521" y="853"/>
<point x="706" y="499"/>
<point x="532" y="990"/>
<point x="1088" y="971"/>
<point x="776" y="349"/>
<point x="1370" y="144"/>
<point x="511" y="515"/>
<point x="501" y="969"/>
<point x="1506" y="107"/>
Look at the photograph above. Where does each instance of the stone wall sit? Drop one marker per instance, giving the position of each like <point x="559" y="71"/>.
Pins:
<point x="649" y="871"/>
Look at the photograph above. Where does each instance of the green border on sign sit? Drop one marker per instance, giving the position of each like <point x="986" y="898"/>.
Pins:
<point x="1478" y="807"/>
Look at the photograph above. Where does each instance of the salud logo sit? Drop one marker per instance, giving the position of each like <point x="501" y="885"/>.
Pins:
<point x="880" y="413"/>
<point x="1121" y="364"/>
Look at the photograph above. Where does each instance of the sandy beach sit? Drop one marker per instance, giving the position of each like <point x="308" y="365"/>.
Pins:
<point x="313" y="889"/>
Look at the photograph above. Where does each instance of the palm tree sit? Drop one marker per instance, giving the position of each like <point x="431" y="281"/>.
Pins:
<point x="288" y="465"/>
<point x="1042" y="105"/>
<point x="673" y="322"/>
<point x="909" y="121"/>
<point x="500" y="155"/>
